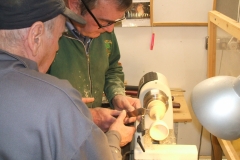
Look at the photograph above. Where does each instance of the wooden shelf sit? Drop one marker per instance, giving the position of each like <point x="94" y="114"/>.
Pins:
<point x="181" y="114"/>
<point x="176" y="24"/>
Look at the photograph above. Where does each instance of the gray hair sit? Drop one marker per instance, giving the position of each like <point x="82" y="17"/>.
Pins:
<point x="122" y="5"/>
<point x="16" y="38"/>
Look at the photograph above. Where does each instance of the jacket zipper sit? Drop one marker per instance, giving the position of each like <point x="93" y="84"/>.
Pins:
<point x="89" y="76"/>
<point x="88" y="61"/>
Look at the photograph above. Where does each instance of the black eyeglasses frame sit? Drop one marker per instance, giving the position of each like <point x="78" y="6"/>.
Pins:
<point x="95" y="19"/>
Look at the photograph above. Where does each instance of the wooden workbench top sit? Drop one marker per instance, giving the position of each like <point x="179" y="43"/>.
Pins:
<point x="181" y="114"/>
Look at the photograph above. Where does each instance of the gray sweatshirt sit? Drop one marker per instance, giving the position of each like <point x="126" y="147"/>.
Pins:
<point x="43" y="118"/>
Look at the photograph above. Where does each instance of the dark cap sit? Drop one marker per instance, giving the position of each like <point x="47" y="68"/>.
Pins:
<point x="16" y="14"/>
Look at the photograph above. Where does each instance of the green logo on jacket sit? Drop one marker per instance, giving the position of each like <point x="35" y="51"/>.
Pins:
<point x="108" y="45"/>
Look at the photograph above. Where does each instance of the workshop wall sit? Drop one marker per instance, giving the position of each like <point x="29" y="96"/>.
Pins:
<point x="179" y="53"/>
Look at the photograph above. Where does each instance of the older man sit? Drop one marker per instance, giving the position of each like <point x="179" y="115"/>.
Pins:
<point x="42" y="117"/>
<point x="89" y="55"/>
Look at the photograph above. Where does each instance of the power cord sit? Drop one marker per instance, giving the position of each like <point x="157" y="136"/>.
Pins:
<point x="200" y="142"/>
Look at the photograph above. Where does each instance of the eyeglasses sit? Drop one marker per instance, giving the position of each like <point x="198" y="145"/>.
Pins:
<point x="95" y="19"/>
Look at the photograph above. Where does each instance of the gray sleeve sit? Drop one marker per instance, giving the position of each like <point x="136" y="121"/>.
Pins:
<point x="100" y="146"/>
<point x="81" y="135"/>
<point x="114" y="140"/>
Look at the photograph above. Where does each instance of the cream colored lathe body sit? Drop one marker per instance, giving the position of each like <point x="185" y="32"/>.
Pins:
<point x="157" y="138"/>
<point x="156" y="97"/>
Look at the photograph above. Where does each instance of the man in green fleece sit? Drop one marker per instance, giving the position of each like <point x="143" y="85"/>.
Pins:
<point x="88" y="58"/>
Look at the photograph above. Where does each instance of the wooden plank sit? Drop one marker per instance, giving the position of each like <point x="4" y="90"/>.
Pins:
<point x="151" y="12"/>
<point x="211" y="48"/>
<point x="214" y="4"/>
<point x="196" y="24"/>
<point x="228" y="149"/>
<point x="216" y="153"/>
<point x="236" y="145"/>
<point x="227" y="24"/>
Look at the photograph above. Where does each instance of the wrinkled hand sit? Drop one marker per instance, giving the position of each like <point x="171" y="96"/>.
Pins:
<point x="87" y="100"/>
<point x="104" y="117"/>
<point x="126" y="132"/>
<point x="122" y="102"/>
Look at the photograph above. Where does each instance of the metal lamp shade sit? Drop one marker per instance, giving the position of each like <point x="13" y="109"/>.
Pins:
<point x="216" y="104"/>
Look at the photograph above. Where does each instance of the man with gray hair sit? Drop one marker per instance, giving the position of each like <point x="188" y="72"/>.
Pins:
<point x="42" y="117"/>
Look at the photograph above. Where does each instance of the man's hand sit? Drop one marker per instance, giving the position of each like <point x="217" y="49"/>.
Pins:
<point x="104" y="117"/>
<point x="87" y="100"/>
<point x="122" y="102"/>
<point x="126" y="132"/>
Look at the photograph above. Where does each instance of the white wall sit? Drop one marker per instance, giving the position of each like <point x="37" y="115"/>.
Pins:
<point x="179" y="53"/>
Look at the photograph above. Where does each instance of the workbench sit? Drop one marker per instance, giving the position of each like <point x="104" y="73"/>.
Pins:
<point x="181" y="114"/>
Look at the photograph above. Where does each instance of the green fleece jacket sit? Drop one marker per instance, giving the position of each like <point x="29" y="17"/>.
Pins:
<point x="93" y="73"/>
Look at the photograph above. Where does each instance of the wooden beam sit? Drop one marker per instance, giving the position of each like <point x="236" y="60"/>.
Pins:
<point x="211" y="49"/>
<point x="151" y="12"/>
<point x="227" y="24"/>
<point x="228" y="150"/>
<point x="217" y="19"/>
<point x="214" y="4"/>
<point x="196" y="24"/>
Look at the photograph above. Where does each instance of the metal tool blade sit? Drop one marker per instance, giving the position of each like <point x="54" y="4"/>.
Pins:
<point x="137" y="112"/>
